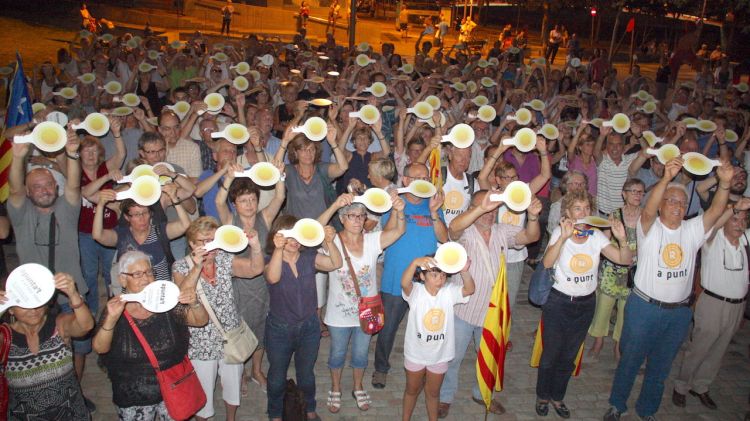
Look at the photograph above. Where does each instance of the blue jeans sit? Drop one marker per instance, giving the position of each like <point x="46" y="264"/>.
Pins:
<point x="92" y="255"/>
<point x="463" y="332"/>
<point x="653" y="334"/>
<point x="340" y="337"/>
<point x="565" y="325"/>
<point x="394" y="308"/>
<point x="282" y="341"/>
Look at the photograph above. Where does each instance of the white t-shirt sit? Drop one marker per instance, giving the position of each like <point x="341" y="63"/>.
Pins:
<point x="343" y="303"/>
<point x="518" y="219"/>
<point x="666" y="259"/>
<point x="429" y="337"/>
<point x="457" y="198"/>
<point x="724" y="267"/>
<point x="577" y="266"/>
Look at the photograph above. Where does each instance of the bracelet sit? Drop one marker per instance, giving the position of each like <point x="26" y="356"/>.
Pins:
<point x="73" y="157"/>
<point x="543" y="154"/>
<point x="79" y="305"/>
<point x="177" y="202"/>
<point x="258" y="150"/>
<point x="196" y="304"/>
<point x="221" y="186"/>
<point x="434" y="219"/>
<point x="334" y="147"/>
<point x="107" y="330"/>
<point x="117" y="137"/>
<point x="533" y="219"/>
<point x="724" y="188"/>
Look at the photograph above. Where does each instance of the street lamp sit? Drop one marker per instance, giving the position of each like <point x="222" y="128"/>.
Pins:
<point x="593" y="18"/>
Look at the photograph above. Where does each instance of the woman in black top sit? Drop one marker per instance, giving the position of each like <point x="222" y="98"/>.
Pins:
<point x="135" y="390"/>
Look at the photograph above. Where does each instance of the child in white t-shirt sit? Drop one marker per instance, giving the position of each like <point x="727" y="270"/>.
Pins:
<point x="429" y="342"/>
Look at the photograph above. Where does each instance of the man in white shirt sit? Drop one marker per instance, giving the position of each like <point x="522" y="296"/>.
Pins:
<point x="719" y="310"/>
<point x="657" y="313"/>
<point x="458" y="185"/>
<point x="612" y="171"/>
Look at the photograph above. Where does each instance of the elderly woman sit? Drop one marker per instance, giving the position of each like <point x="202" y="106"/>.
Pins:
<point x="135" y="390"/>
<point x="211" y="271"/>
<point x="573" y="252"/>
<point x="41" y="379"/>
<point x="342" y="317"/>
<point x="613" y="287"/>
<point x="293" y="325"/>
<point x="252" y="292"/>
<point x="140" y="232"/>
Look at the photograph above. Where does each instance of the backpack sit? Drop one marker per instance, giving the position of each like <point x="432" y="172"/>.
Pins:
<point x="469" y="178"/>
<point x="294" y="403"/>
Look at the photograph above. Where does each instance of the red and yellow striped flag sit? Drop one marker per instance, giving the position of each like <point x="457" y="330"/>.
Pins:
<point x="495" y="335"/>
<point x="433" y="162"/>
<point x="536" y="352"/>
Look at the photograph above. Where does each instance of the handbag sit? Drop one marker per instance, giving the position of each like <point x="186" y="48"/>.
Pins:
<point x="180" y="388"/>
<point x="4" y="352"/>
<point x="371" y="310"/>
<point x="239" y="343"/>
<point x="540" y="284"/>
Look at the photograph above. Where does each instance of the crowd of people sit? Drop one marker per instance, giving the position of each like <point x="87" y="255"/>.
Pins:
<point x="666" y="227"/>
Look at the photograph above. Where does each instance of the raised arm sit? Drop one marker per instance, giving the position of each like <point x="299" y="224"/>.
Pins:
<point x="650" y="211"/>
<point x="249" y="267"/>
<point x="333" y="260"/>
<point x="724" y="172"/>
<point x="553" y="250"/>
<point x="73" y="175"/>
<point x="105" y="237"/>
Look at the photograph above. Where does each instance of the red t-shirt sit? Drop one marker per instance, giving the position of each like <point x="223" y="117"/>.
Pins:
<point x="86" y="218"/>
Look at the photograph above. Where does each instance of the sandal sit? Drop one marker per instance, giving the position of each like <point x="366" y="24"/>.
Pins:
<point x="362" y="398"/>
<point x="334" y="401"/>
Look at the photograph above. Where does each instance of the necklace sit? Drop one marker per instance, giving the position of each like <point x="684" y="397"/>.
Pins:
<point x="210" y="277"/>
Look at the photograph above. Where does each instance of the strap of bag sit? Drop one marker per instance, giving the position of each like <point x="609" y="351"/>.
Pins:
<point x="146" y="347"/>
<point x="51" y="243"/>
<point x="352" y="273"/>
<point x="206" y="305"/>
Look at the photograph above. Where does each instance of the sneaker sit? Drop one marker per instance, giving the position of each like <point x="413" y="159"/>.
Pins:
<point x="612" y="414"/>
<point x="648" y="418"/>
<point x="678" y="399"/>
<point x="378" y="379"/>
<point x="91" y="406"/>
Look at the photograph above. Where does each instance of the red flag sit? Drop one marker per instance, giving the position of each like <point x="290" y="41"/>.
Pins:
<point x="631" y="25"/>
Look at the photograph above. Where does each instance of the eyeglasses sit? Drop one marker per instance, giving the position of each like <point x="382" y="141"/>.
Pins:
<point x="155" y="151"/>
<point x="675" y="202"/>
<point x="139" y="274"/>
<point x="636" y="192"/>
<point x="733" y="258"/>
<point x="509" y="177"/>
<point x="356" y="216"/>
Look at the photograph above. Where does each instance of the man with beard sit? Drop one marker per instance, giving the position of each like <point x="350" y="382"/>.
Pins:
<point x="47" y="228"/>
<point x="707" y="188"/>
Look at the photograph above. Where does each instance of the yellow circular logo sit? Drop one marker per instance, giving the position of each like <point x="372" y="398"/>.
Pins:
<point x="581" y="263"/>
<point x="434" y="320"/>
<point x="510" y="218"/>
<point x="672" y="255"/>
<point x="454" y="200"/>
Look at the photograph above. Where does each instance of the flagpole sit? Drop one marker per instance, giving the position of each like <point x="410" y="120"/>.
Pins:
<point x="632" y="49"/>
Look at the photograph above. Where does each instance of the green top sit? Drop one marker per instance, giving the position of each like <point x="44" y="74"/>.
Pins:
<point x="613" y="278"/>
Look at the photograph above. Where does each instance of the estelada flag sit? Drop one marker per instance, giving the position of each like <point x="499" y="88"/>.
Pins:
<point x="495" y="334"/>
<point x="536" y="352"/>
<point x="19" y="112"/>
<point x="631" y="25"/>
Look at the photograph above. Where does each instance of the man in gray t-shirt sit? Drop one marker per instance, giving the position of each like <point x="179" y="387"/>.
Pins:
<point x="31" y="206"/>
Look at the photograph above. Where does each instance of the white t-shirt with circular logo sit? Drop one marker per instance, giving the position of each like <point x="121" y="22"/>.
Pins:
<point x="457" y="197"/>
<point x="666" y="259"/>
<point x="429" y="337"/>
<point x="577" y="267"/>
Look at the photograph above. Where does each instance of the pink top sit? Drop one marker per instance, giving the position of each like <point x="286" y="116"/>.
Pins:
<point x="576" y="163"/>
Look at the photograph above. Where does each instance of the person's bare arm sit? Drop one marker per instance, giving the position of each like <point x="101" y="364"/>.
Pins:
<point x="16" y="176"/>
<point x="105" y="237"/>
<point x="332" y="261"/>
<point x="598" y="146"/>
<point x="724" y="172"/>
<point x="650" y="211"/>
<point x="72" y="189"/>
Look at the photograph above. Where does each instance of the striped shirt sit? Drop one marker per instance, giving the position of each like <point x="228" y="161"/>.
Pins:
<point x="485" y="263"/>
<point x="611" y="178"/>
<point x="186" y="154"/>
